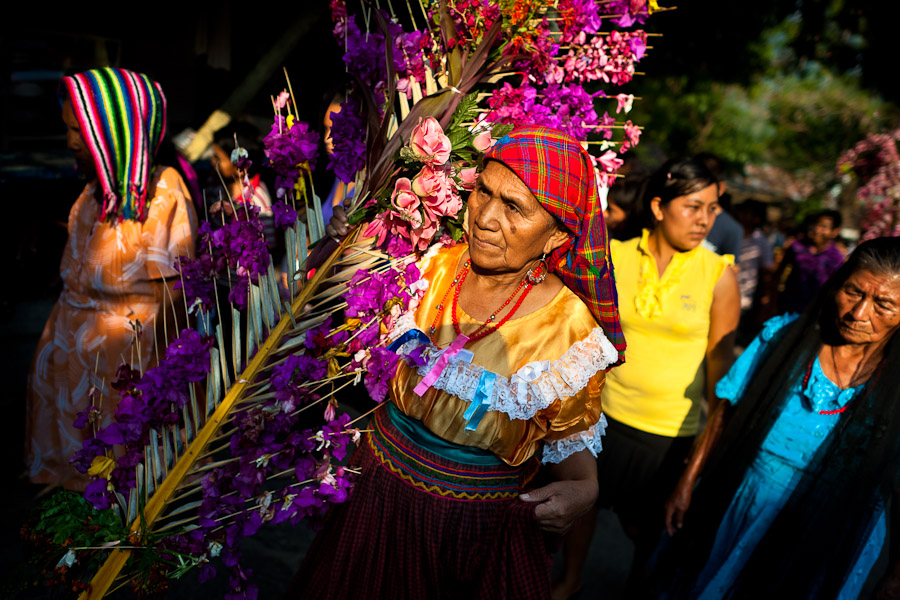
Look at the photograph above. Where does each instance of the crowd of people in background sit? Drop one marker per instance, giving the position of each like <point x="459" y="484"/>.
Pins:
<point x="700" y="278"/>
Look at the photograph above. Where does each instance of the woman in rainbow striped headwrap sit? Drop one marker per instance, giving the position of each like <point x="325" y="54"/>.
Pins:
<point x="131" y="222"/>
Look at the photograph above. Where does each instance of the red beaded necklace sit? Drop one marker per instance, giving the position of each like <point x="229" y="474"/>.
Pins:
<point x="806" y="377"/>
<point x="487" y="328"/>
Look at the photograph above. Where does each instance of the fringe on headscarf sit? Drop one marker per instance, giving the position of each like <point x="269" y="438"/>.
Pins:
<point x="122" y="115"/>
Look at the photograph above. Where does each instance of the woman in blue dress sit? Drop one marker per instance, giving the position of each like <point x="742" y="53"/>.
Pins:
<point x="802" y="456"/>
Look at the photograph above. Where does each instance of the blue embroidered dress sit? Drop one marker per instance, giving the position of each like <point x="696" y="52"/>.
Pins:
<point x="785" y="454"/>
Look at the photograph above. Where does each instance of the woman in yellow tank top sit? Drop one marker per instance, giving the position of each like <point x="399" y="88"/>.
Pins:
<point x="679" y="305"/>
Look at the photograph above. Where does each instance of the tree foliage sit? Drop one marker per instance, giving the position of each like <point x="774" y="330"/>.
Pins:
<point x="798" y="104"/>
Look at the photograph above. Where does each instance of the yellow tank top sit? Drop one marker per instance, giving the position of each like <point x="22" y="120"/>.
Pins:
<point x="666" y="323"/>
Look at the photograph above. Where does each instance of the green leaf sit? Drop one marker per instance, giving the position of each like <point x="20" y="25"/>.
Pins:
<point x="455" y="226"/>
<point x="498" y="131"/>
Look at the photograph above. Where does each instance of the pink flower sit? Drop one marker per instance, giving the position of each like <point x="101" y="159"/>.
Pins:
<point x="625" y="101"/>
<point x="610" y="162"/>
<point x="429" y="142"/>
<point x="422" y="235"/>
<point x="483" y="141"/>
<point x="403" y="87"/>
<point x="604" y="180"/>
<point x="282" y="100"/>
<point x="467" y="178"/>
<point x="404" y="199"/>
<point x="437" y="192"/>
<point x="445" y="204"/>
<point x="429" y="182"/>
<point x="383" y="224"/>
<point x="632" y="133"/>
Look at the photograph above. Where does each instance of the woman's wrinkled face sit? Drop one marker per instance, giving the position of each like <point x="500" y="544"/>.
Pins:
<point x="75" y="142"/>
<point x="686" y="220"/>
<point x="508" y="227"/>
<point x="868" y="307"/>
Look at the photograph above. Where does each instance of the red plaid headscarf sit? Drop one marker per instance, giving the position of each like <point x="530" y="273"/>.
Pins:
<point x="560" y="174"/>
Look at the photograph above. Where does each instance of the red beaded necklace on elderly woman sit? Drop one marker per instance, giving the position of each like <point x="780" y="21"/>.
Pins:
<point x="532" y="278"/>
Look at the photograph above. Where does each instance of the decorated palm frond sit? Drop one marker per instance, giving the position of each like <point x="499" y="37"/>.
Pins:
<point x="238" y="425"/>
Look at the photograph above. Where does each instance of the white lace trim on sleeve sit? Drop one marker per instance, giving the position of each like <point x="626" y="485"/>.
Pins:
<point x="532" y="388"/>
<point x="559" y="450"/>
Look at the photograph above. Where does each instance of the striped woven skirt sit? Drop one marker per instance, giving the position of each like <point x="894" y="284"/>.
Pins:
<point x="418" y="525"/>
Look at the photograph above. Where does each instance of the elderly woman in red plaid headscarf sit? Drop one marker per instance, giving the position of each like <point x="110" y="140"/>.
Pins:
<point x="506" y="361"/>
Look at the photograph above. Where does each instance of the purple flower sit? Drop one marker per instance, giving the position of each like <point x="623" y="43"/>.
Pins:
<point x="90" y="449"/>
<point x="286" y="149"/>
<point x="84" y="417"/>
<point x="197" y="279"/>
<point x="381" y="367"/>
<point x="237" y="295"/>
<point x="97" y="494"/>
<point x="349" y="134"/>
<point x="285" y="215"/>
<point x="207" y="573"/>
<point x="398" y="246"/>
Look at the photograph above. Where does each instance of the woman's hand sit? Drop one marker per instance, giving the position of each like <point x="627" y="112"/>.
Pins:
<point x="572" y="494"/>
<point x="678" y="503"/>
<point x="337" y="227"/>
<point x="562" y="502"/>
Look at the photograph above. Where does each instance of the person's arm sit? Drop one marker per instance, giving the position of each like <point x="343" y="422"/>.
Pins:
<point x="889" y="588"/>
<point x="724" y="315"/>
<point x="572" y="493"/>
<point x="680" y="499"/>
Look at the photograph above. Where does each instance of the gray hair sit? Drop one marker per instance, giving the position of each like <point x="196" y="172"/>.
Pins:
<point x="880" y="256"/>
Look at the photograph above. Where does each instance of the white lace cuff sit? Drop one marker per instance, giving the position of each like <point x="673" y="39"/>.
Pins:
<point x="559" y="450"/>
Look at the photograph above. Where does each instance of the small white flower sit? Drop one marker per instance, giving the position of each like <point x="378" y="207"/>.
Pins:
<point x="67" y="560"/>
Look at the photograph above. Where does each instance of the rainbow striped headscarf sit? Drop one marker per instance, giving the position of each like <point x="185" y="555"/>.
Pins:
<point x="122" y="115"/>
<point x="560" y="174"/>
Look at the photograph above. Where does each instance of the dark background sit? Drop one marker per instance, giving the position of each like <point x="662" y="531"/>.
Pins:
<point x="201" y="52"/>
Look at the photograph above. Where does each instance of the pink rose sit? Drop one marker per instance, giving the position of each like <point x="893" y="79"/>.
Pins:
<point x="446" y="204"/>
<point x="404" y="200"/>
<point x="437" y="192"/>
<point x="483" y="141"/>
<point x="467" y="178"/>
<point x="429" y="182"/>
<point x="429" y="142"/>
<point x="422" y="235"/>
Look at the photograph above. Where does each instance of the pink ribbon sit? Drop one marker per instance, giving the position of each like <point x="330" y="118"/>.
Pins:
<point x="452" y="350"/>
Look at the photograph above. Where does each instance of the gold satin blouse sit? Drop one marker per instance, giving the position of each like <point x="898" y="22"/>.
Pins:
<point x="547" y="334"/>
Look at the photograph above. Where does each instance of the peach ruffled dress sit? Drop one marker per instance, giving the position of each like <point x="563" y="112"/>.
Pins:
<point x="112" y="276"/>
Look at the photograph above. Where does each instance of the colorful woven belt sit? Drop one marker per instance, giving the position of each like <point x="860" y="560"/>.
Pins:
<point x="436" y="475"/>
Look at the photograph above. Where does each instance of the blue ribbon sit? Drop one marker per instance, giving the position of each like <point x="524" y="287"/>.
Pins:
<point x="481" y="401"/>
<point x="409" y="335"/>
